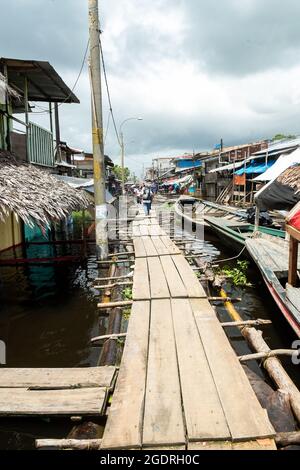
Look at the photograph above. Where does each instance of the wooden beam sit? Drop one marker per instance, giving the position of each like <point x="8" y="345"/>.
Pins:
<point x="115" y="304"/>
<point x="267" y="355"/>
<point x="293" y="262"/>
<point x="110" y="337"/>
<point x="246" y="323"/>
<point x="78" y="444"/>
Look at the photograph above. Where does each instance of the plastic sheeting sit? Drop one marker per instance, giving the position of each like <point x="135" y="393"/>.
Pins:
<point x="255" y="168"/>
<point x="283" y="162"/>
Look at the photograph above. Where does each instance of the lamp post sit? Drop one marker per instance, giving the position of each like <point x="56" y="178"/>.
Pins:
<point x="123" y="149"/>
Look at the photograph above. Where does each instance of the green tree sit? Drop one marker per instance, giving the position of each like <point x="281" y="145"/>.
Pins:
<point x="118" y="172"/>
<point x="283" y="136"/>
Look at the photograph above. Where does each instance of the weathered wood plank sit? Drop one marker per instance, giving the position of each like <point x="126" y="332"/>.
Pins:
<point x="141" y="286"/>
<point x="161" y="249"/>
<point x="204" y="416"/>
<point x="189" y="278"/>
<point x="123" y="429"/>
<point x="139" y="248"/>
<point x="58" y="378"/>
<point x="245" y="417"/>
<point x="172" y="248"/>
<point x="158" y="284"/>
<point x="260" y="444"/>
<point x="81" y="401"/>
<point x="210" y="445"/>
<point x="163" y="419"/>
<point x="149" y="247"/>
<point x="176" y="286"/>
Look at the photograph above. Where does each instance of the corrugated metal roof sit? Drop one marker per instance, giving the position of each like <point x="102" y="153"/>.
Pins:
<point x="44" y="83"/>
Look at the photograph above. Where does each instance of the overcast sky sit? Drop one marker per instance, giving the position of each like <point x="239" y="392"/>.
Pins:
<point x="194" y="70"/>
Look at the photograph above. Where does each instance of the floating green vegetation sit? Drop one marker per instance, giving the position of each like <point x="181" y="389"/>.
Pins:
<point x="126" y="314"/>
<point x="127" y="293"/>
<point x="237" y="274"/>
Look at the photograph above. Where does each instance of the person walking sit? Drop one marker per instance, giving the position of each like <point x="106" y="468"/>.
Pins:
<point x="147" y="196"/>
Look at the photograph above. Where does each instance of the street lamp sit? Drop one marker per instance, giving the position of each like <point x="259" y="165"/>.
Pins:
<point x="123" y="149"/>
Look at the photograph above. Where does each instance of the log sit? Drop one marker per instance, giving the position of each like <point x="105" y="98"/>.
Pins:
<point x="284" y="439"/>
<point x="78" y="444"/>
<point x="113" y="278"/>
<point x="266" y="355"/>
<point x="246" y="323"/>
<point x="125" y="303"/>
<point x="116" y="284"/>
<point x="224" y="299"/>
<point x="116" y="261"/>
<point x="272" y="365"/>
<point x="110" y="337"/>
<point x="274" y="368"/>
<point x="121" y="253"/>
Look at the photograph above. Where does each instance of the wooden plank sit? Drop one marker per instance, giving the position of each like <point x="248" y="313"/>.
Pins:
<point x="204" y="416"/>
<point x="261" y="444"/>
<point x="139" y="248"/>
<point x="163" y="419"/>
<point x="172" y="248"/>
<point x="144" y="230"/>
<point x="141" y="286"/>
<point x="189" y="278"/>
<point x="149" y="246"/>
<point x="81" y="401"/>
<point x="135" y="230"/>
<point x="158" y="284"/>
<point x="210" y="445"/>
<point x="245" y="417"/>
<point x="123" y="429"/>
<point x="58" y="378"/>
<point x="155" y="230"/>
<point x="176" y="286"/>
<point x="160" y="246"/>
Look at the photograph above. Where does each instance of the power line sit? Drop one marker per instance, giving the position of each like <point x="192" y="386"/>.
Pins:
<point x="45" y="111"/>
<point x="108" y="92"/>
<point x="79" y="74"/>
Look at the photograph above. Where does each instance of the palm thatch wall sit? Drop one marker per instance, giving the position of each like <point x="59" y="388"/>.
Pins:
<point x="34" y="195"/>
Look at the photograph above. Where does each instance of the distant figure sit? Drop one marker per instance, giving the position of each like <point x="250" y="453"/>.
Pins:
<point x="147" y="196"/>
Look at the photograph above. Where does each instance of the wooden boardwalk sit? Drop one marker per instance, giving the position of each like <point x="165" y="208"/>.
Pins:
<point x="53" y="392"/>
<point x="180" y="384"/>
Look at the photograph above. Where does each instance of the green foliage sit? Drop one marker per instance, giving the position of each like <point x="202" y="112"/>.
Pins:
<point x="238" y="274"/>
<point x="127" y="293"/>
<point x="126" y="313"/>
<point x="118" y="172"/>
<point x="78" y="217"/>
<point x="283" y="136"/>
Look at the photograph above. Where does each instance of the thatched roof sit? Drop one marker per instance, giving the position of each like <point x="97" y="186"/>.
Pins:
<point x="35" y="195"/>
<point x="291" y="178"/>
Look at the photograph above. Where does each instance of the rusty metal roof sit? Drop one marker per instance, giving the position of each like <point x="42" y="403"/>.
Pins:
<point x="44" y="83"/>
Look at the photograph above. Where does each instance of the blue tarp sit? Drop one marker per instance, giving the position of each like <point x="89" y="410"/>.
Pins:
<point x="188" y="164"/>
<point x="255" y="168"/>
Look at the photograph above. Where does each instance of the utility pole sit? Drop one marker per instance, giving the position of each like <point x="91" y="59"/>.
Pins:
<point x="122" y="162"/>
<point x="98" y="147"/>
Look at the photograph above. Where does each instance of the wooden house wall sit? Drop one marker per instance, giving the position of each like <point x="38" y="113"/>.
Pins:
<point x="10" y="232"/>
